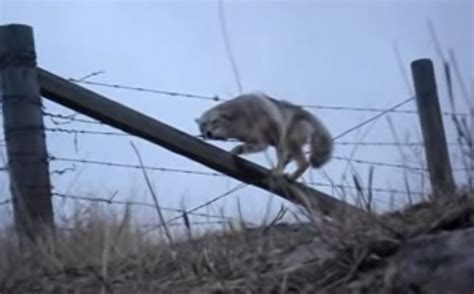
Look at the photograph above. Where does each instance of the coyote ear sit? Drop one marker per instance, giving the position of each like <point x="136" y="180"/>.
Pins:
<point x="197" y="121"/>
<point x="228" y="116"/>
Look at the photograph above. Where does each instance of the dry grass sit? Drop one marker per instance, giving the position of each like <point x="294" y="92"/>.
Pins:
<point x="103" y="254"/>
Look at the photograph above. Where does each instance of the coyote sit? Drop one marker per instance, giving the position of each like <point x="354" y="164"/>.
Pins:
<point x="259" y="121"/>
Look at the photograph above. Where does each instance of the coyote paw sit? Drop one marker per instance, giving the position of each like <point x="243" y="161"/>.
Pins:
<point x="237" y="150"/>
<point x="293" y="176"/>
<point x="278" y="173"/>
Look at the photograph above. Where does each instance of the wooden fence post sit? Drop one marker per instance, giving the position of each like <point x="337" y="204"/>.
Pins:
<point x="436" y="149"/>
<point x="24" y="132"/>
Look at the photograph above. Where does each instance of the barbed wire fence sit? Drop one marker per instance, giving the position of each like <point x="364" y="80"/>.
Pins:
<point x="61" y="123"/>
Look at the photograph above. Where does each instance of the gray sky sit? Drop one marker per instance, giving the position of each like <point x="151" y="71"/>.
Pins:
<point x="338" y="53"/>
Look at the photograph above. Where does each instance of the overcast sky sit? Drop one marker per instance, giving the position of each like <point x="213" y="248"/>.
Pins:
<point x="333" y="53"/>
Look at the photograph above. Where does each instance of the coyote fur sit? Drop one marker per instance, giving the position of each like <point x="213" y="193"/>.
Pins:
<point x="259" y="121"/>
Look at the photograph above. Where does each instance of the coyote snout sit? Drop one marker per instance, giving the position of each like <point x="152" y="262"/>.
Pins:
<point x="259" y="121"/>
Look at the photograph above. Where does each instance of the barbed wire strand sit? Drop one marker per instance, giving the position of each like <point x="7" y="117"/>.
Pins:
<point x="184" y="171"/>
<point x="344" y="143"/>
<point x="196" y="223"/>
<point x="215" y="174"/>
<point x="209" y="202"/>
<point x="218" y="99"/>
<point x="148" y="226"/>
<point x="85" y="132"/>
<point x="135" y="203"/>
<point x="390" y="144"/>
<point x="149" y="90"/>
<point x="375" y="117"/>
<point x="378" y="163"/>
<point x="133" y="166"/>
<point x="392" y="165"/>
<point x="93" y="74"/>
<point x="374" y="189"/>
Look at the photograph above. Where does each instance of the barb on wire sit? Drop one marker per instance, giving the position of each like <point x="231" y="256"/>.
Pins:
<point x="96" y="73"/>
<point x="64" y="120"/>
<point x="70" y="117"/>
<point x="136" y="203"/>
<point x="5" y="202"/>
<point x="64" y="170"/>
<point x="133" y="166"/>
<point x="85" y="132"/>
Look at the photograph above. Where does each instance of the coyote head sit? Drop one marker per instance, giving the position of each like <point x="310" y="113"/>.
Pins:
<point x="215" y="124"/>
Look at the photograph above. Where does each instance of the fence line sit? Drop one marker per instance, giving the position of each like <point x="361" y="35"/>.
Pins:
<point x="360" y="161"/>
<point x="32" y="176"/>
<point x="241" y="186"/>
<point x="216" y="98"/>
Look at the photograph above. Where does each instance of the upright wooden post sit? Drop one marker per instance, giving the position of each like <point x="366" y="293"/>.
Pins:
<point x="436" y="149"/>
<point x="24" y="131"/>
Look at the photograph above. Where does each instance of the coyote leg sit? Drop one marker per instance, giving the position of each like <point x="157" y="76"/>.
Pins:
<point x="283" y="158"/>
<point x="302" y="163"/>
<point x="248" y="148"/>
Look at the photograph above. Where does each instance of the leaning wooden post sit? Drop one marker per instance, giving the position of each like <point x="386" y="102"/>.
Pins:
<point x="24" y="132"/>
<point x="436" y="149"/>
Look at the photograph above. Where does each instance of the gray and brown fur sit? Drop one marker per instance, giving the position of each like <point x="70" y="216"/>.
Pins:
<point x="260" y="121"/>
